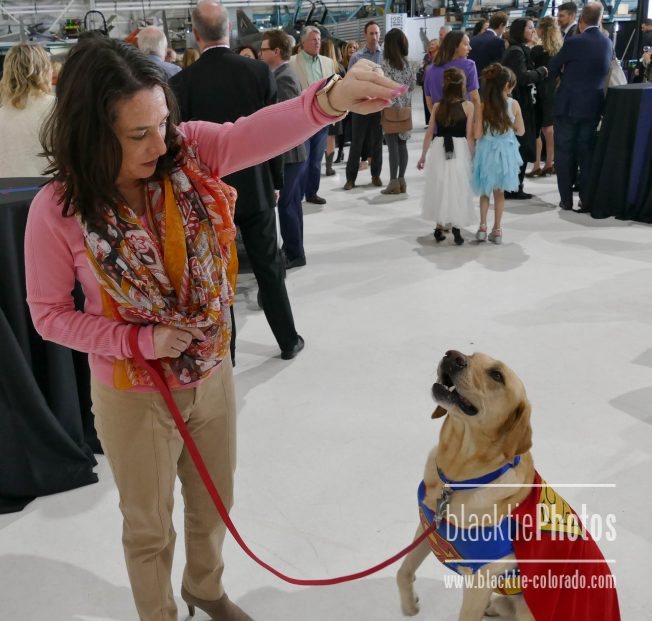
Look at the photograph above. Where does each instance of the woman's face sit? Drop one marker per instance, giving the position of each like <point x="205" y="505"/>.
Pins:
<point x="140" y="127"/>
<point x="432" y="46"/>
<point x="248" y="53"/>
<point x="528" y="33"/>
<point x="463" y="48"/>
<point x="352" y="48"/>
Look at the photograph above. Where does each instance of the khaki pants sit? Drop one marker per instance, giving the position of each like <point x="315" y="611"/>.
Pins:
<point x="146" y="453"/>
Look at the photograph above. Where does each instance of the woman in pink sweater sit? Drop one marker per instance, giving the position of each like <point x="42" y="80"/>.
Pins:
<point x="138" y="215"/>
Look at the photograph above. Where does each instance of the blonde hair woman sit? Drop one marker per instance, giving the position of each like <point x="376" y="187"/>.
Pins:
<point x="350" y="48"/>
<point x="551" y="41"/>
<point x="25" y="100"/>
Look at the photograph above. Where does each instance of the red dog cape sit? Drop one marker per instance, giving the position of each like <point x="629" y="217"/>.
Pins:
<point x="563" y="574"/>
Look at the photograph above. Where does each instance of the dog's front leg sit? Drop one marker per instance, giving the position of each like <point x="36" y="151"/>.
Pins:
<point x="407" y="575"/>
<point x="475" y="599"/>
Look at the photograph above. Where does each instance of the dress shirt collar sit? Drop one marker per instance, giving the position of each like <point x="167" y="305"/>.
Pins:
<point x="565" y="32"/>
<point x="308" y="58"/>
<point x="211" y="47"/>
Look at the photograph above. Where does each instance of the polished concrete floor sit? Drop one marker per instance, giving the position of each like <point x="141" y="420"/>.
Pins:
<point x="332" y="444"/>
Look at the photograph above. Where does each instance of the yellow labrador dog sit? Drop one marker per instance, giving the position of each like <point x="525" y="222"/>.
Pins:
<point x="487" y="430"/>
<point x="498" y="523"/>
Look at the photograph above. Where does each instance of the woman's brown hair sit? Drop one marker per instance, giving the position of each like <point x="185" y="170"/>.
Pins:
<point x="396" y="49"/>
<point x="495" y="116"/>
<point x="454" y="92"/>
<point x="448" y="47"/>
<point x="78" y="138"/>
<point x="328" y="50"/>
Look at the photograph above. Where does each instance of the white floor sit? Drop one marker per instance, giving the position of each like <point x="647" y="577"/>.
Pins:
<point x="332" y="444"/>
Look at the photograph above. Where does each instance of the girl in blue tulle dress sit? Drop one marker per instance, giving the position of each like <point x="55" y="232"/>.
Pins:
<point x="497" y="159"/>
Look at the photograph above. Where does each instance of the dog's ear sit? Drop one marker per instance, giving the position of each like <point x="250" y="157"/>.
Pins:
<point x="439" y="412"/>
<point x="517" y="432"/>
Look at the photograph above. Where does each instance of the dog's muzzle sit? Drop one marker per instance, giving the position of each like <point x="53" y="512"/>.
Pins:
<point x="444" y="391"/>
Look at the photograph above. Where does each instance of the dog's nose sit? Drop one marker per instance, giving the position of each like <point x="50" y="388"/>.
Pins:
<point x="453" y="362"/>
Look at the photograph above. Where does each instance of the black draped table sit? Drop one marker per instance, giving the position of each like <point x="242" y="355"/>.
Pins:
<point x="47" y="438"/>
<point x="621" y="176"/>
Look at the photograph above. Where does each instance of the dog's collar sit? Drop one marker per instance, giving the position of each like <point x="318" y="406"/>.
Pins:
<point x="457" y="486"/>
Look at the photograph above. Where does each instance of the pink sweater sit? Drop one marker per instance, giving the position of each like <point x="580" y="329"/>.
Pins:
<point x="55" y="253"/>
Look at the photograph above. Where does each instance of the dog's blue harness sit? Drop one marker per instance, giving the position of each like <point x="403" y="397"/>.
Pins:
<point x="463" y="549"/>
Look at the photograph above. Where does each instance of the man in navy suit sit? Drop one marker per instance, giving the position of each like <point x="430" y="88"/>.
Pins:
<point x="583" y="63"/>
<point x="566" y="17"/>
<point x="488" y="47"/>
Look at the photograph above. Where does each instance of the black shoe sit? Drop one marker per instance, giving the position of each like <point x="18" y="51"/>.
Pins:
<point x="298" y="262"/>
<point x="439" y="235"/>
<point x="519" y="196"/>
<point x="288" y="354"/>
<point x="317" y="200"/>
<point x="459" y="240"/>
<point x="582" y="209"/>
<point x="340" y="157"/>
<point x="564" y="206"/>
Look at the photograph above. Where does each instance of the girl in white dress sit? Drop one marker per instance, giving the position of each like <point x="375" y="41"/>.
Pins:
<point x="448" y="197"/>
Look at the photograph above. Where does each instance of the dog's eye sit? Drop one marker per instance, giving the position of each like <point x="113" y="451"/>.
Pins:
<point x="497" y="375"/>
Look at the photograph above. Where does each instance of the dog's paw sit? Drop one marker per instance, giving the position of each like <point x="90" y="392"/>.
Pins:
<point x="410" y="606"/>
<point x="409" y="599"/>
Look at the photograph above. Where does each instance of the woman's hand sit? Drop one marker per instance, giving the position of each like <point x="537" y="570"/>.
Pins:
<point x="421" y="163"/>
<point x="364" y="89"/>
<point x="172" y="342"/>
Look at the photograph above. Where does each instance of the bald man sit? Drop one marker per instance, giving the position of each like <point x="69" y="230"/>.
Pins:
<point x="221" y="87"/>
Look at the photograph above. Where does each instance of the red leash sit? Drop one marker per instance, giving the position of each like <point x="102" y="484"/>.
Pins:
<point x="153" y="367"/>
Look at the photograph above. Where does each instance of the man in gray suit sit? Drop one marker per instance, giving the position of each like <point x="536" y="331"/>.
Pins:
<point x="152" y="41"/>
<point x="276" y="51"/>
<point x="310" y="67"/>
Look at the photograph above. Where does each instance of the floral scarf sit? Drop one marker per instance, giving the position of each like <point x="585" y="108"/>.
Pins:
<point x="171" y="267"/>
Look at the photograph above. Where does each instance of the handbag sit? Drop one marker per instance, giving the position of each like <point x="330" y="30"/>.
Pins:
<point x="396" y="120"/>
<point x="421" y="74"/>
<point x="616" y="75"/>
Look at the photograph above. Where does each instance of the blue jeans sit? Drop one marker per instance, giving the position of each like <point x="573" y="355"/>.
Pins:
<point x="315" y="146"/>
<point x="574" y="143"/>
<point x="290" y="211"/>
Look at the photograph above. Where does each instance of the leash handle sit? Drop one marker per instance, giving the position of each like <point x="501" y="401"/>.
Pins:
<point x="153" y="367"/>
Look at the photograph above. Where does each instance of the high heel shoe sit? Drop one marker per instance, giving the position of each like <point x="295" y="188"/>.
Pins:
<point x="459" y="240"/>
<point x="439" y="235"/>
<point x="535" y="172"/>
<point x="403" y="184"/>
<point x="481" y="235"/>
<point x="222" y="609"/>
<point x="549" y="170"/>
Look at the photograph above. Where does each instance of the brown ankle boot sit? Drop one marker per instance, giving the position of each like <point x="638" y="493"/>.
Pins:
<point x="393" y="187"/>
<point x="329" y="164"/>
<point x="401" y="181"/>
<point x="222" y="609"/>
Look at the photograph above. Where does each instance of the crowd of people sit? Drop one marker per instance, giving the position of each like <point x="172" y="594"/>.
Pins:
<point x="147" y="155"/>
